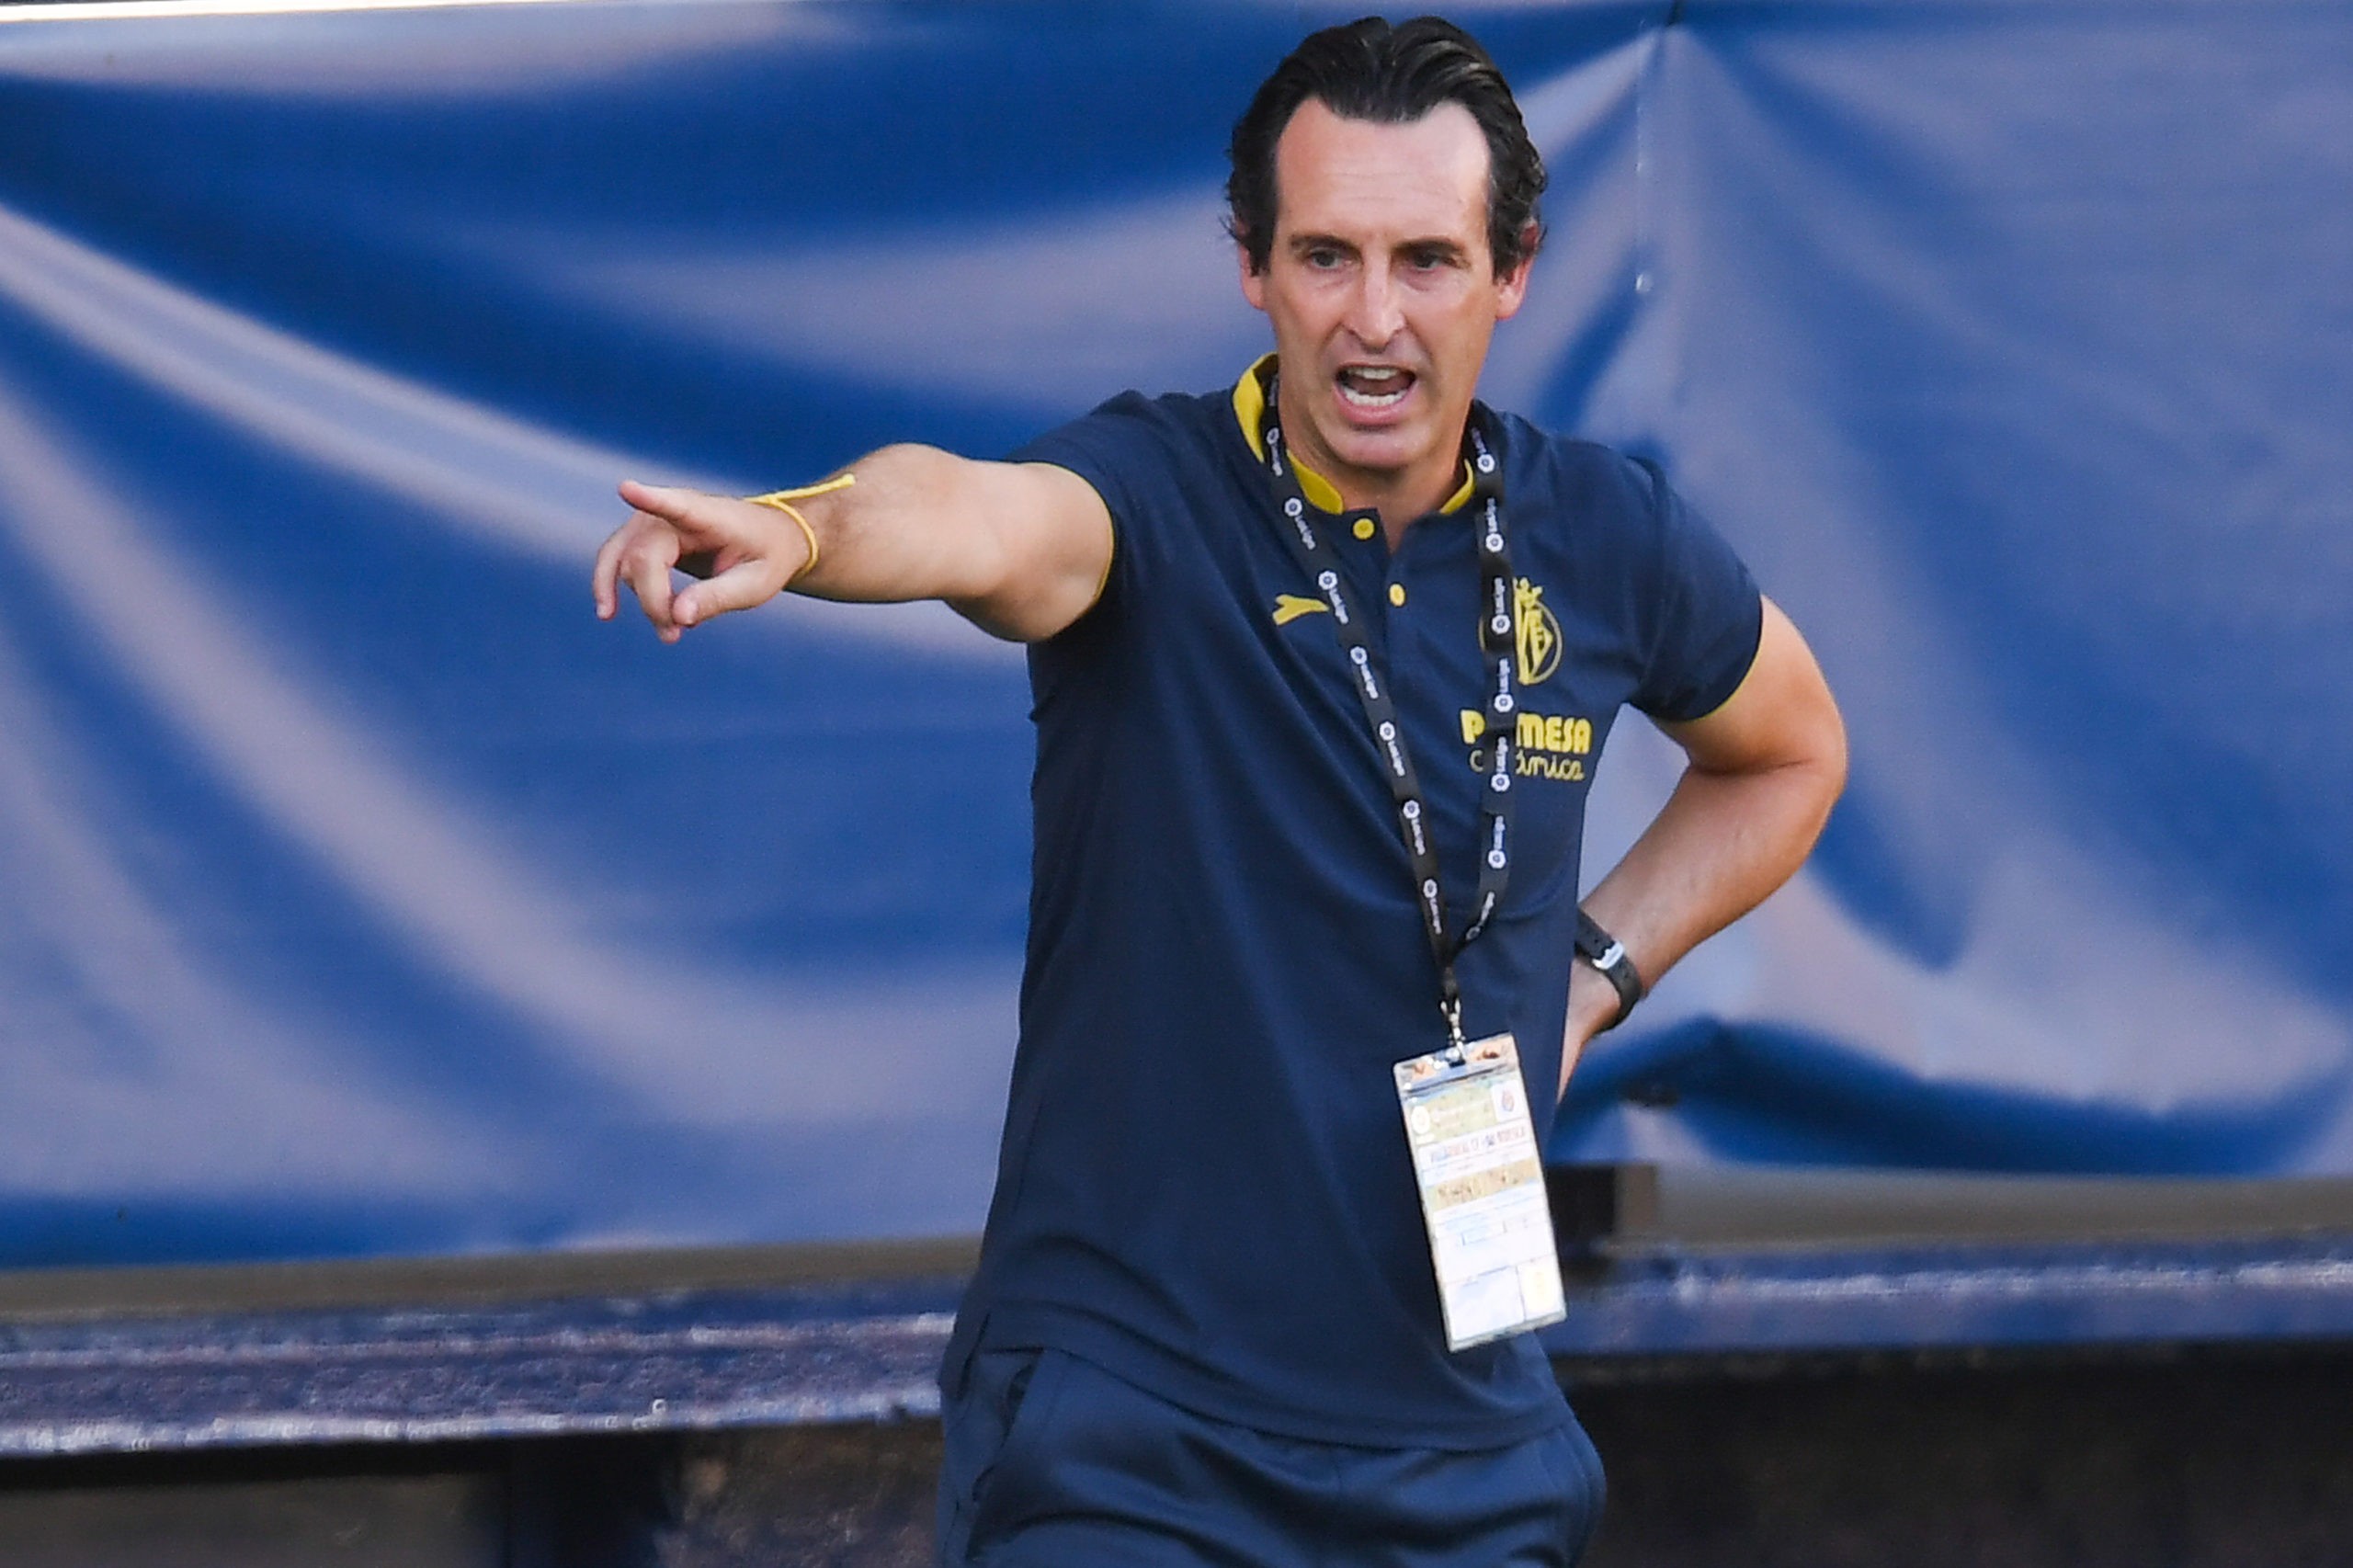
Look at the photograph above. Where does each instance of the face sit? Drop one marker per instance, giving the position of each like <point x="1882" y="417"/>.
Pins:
<point x="1382" y="295"/>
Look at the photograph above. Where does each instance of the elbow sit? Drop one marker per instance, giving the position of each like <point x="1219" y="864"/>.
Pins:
<point x="1833" y="777"/>
<point x="1821" y="761"/>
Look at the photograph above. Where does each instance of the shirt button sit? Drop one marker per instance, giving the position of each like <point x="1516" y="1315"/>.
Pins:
<point x="1397" y="593"/>
<point x="1364" y="527"/>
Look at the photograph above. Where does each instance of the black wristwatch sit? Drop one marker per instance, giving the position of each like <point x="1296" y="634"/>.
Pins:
<point x="1602" y="951"/>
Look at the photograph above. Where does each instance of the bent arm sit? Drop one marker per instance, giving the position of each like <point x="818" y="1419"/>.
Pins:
<point x="1764" y="770"/>
<point x="1020" y="548"/>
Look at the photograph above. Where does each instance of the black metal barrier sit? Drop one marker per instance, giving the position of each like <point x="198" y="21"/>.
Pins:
<point x="2142" y="1399"/>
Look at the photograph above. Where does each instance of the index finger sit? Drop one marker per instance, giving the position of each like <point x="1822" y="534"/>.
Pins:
<point x="616" y="556"/>
<point x="647" y="557"/>
<point x="604" y="576"/>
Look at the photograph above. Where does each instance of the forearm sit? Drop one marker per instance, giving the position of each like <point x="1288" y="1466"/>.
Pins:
<point x="1020" y="548"/>
<point x="1717" y="849"/>
<point x="909" y="526"/>
<point x="1763" y="773"/>
<point x="1722" y="843"/>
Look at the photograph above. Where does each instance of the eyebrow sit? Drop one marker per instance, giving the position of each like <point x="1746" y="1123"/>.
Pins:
<point x="1319" y="242"/>
<point x="1451" y="250"/>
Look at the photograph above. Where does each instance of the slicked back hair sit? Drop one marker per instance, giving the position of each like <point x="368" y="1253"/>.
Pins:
<point x="1370" y="70"/>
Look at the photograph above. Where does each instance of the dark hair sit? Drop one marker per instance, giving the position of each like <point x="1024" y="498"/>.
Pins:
<point x="1391" y="76"/>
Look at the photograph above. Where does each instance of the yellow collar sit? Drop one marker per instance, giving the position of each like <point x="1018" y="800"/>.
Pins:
<point x="1250" y="410"/>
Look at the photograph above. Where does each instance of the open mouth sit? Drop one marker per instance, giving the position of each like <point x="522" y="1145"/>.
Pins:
<point x="1374" y="387"/>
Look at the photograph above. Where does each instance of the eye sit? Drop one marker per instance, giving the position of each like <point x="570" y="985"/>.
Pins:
<point x="1323" y="259"/>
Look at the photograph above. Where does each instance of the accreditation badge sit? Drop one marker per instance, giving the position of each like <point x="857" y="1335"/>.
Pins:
<point x="1482" y="1190"/>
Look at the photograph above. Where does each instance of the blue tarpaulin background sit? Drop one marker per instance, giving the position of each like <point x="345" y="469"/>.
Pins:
<point x="359" y="894"/>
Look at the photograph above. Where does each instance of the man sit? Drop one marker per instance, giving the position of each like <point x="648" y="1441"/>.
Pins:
<point x="1206" y="1326"/>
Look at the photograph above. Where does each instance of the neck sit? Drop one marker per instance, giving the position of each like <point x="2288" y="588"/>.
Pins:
<point x="1399" y="502"/>
<point x="1399" y="496"/>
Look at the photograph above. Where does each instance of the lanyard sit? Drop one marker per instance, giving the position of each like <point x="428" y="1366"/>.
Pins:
<point x="1320" y="562"/>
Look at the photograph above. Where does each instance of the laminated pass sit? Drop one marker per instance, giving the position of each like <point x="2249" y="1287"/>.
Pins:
<point x="1482" y="1190"/>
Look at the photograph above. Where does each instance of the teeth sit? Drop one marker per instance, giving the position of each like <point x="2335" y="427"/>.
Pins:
<point x="1373" y="386"/>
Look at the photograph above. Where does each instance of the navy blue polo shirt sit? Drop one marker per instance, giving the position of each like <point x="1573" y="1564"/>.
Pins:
<point x="1204" y="1185"/>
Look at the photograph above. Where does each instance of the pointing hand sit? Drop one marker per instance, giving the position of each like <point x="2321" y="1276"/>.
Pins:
<point x="752" y="552"/>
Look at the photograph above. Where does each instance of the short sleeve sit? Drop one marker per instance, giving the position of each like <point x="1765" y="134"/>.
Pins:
<point x="1117" y="449"/>
<point x="1708" y="613"/>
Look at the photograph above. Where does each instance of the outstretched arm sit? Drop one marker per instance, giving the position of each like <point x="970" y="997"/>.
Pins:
<point x="1020" y="548"/>
<point x="1763" y="771"/>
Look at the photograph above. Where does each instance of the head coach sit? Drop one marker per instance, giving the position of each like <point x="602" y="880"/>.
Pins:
<point x="1322" y="663"/>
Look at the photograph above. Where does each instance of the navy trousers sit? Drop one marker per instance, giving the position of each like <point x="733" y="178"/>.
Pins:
<point x="1052" y="1463"/>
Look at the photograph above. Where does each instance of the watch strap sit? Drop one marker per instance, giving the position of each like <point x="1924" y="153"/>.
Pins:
<point x="1608" y="956"/>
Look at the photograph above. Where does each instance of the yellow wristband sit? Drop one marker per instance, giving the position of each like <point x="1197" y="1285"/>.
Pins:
<point x="782" y="501"/>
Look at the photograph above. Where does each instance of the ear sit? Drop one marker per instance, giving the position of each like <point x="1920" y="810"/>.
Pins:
<point x="1253" y="282"/>
<point x="1511" y="290"/>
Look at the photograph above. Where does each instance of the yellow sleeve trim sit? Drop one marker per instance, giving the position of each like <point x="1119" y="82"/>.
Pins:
<point x="1743" y="685"/>
<point x="1111" y="556"/>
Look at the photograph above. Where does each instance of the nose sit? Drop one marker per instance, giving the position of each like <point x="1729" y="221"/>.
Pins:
<point x="1375" y="311"/>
